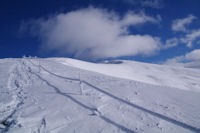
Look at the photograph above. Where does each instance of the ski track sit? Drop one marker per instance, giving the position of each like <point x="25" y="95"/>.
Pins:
<point x="23" y="70"/>
<point x="163" y="117"/>
<point x="94" y="111"/>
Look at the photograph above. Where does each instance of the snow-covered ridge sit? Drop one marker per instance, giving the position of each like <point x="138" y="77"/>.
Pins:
<point x="182" y="78"/>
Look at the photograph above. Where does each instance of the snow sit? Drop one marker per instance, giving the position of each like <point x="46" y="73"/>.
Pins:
<point x="55" y="96"/>
<point x="182" y="78"/>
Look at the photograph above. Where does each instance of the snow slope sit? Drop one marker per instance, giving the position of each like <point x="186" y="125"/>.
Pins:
<point x="46" y="96"/>
<point x="182" y="78"/>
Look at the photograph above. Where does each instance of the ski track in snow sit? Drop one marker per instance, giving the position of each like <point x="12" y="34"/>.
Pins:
<point x="20" y="78"/>
<point x="93" y="110"/>
<point x="178" y="123"/>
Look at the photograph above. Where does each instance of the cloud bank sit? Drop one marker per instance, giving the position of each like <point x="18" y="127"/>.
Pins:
<point x="94" y="33"/>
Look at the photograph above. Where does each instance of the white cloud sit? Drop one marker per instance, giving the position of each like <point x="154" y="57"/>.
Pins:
<point x="172" y="42"/>
<point x="194" y="55"/>
<point x="152" y="3"/>
<point x="146" y="3"/>
<point x="131" y="18"/>
<point x="180" y="24"/>
<point x="191" y="37"/>
<point x="94" y="33"/>
<point x="191" y="59"/>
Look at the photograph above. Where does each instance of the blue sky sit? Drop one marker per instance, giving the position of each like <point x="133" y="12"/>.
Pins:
<point x="143" y="30"/>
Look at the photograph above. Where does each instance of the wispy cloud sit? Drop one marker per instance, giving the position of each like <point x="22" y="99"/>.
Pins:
<point x="172" y="42"/>
<point x="191" y="37"/>
<point x="93" y="33"/>
<point x="179" y="25"/>
<point x="152" y="3"/>
<point x="131" y="18"/>
<point x="157" y="4"/>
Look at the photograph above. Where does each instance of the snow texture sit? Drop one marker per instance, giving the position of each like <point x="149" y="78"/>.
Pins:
<point x="62" y="95"/>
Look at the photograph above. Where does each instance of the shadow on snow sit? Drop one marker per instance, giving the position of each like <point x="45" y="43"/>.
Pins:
<point x="163" y="117"/>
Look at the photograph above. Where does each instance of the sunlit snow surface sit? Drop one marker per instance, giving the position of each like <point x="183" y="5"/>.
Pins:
<point x="182" y="78"/>
<point x="56" y="96"/>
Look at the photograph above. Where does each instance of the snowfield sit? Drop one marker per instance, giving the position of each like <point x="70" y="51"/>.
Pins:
<point x="182" y="78"/>
<point x="62" y="95"/>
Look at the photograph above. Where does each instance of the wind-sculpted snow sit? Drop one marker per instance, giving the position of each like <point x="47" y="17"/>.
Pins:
<point x="50" y="97"/>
